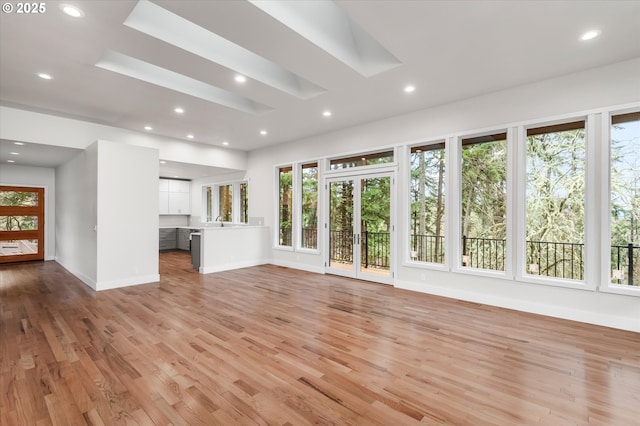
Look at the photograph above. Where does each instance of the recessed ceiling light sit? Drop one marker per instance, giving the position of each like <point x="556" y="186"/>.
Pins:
<point x="409" y="88"/>
<point x="44" y="76"/>
<point x="178" y="110"/>
<point x="225" y="143"/>
<point x="190" y="136"/>
<point x="163" y="162"/>
<point x="263" y="132"/>
<point x="327" y="113"/>
<point x="10" y="161"/>
<point x="240" y="78"/>
<point x="14" y="153"/>
<point x="72" y="10"/>
<point x="590" y="35"/>
<point x="176" y="176"/>
<point x="148" y="128"/>
<point x="18" y="143"/>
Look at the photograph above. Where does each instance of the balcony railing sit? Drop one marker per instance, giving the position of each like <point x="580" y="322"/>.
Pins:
<point x="544" y="258"/>
<point x="484" y="253"/>
<point x="625" y="264"/>
<point x="551" y="259"/>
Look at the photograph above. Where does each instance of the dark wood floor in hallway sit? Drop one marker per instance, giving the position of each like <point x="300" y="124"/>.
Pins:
<point x="270" y="345"/>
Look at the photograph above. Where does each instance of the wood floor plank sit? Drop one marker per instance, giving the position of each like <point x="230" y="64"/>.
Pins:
<point x="271" y="345"/>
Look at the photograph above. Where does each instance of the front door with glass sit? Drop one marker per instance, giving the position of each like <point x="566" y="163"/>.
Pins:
<point x="360" y="227"/>
<point x="21" y="224"/>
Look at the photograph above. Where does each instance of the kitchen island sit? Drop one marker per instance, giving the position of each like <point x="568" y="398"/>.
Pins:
<point x="223" y="248"/>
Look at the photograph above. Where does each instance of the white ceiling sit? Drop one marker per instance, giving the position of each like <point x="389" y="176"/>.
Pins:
<point x="450" y="50"/>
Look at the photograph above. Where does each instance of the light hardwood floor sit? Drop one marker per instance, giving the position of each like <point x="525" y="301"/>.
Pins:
<point x="269" y="345"/>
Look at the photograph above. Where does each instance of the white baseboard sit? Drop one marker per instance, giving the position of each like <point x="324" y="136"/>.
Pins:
<point x="231" y="266"/>
<point x="564" y="312"/>
<point x="86" y="280"/>
<point x="295" y="265"/>
<point x="127" y="282"/>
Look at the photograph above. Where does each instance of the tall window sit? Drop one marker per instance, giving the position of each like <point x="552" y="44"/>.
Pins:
<point x="225" y="203"/>
<point x="427" y="194"/>
<point x="625" y="199"/>
<point x="285" y="205"/>
<point x="244" y="202"/>
<point x="555" y="195"/>
<point x="309" y="195"/>
<point x="228" y="202"/>
<point x="484" y="201"/>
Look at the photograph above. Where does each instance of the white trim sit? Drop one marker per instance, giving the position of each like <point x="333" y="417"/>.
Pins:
<point x="605" y="285"/>
<point x="511" y="175"/>
<point x="231" y="266"/>
<point x="127" y="282"/>
<point x="354" y="271"/>
<point x="86" y="280"/>
<point x="556" y="311"/>
<point x="404" y="189"/>
<point x="591" y="199"/>
<point x="456" y="147"/>
<point x="296" y="265"/>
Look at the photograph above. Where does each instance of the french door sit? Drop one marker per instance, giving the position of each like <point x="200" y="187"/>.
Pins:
<point x="360" y="227"/>
<point x="21" y="224"/>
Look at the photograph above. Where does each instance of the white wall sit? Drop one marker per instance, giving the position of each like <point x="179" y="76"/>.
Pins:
<point x="616" y="84"/>
<point x="127" y="218"/>
<point x="42" y="177"/>
<point x="77" y="215"/>
<point x="18" y="125"/>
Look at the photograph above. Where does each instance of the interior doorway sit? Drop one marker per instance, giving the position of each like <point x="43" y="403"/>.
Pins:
<point x="21" y="224"/>
<point x="360" y="227"/>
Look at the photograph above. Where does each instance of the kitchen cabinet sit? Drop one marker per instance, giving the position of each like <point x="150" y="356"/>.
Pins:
<point x="176" y="238"/>
<point x="168" y="238"/>
<point x="175" y="197"/>
<point x="184" y="240"/>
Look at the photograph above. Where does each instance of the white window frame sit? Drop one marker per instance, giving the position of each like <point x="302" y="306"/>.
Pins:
<point x="276" y="207"/>
<point x="455" y="207"/>
<point x="297" y="206"/>
<point x="590" y="221"/>
<point x="215" y="201"/>
<point x="404" y="188"/>
<point x="604" y="153"/>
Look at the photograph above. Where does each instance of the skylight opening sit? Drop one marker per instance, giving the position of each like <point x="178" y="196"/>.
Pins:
<point x="135" y="68"/>
<point x="157" y="22"/>
<point x="327" y="26"/>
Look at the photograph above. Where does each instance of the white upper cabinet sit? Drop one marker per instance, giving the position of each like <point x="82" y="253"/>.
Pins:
<point x="175" y="197"/>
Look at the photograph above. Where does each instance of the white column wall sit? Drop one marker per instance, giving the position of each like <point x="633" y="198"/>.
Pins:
<point x="127" y="220"/>
<point x="77" y="215"/>
<point x="41" y="177"/>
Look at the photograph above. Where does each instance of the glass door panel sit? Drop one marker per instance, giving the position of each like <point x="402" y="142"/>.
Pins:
<point x="360" y="227"/>
<point x="341" y="221"/>
<point x="375" y="226"/>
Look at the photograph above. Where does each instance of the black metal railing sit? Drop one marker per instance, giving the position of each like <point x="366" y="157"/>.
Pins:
<point x="310" y="238"/>
<point x="551" y="259"/>
<point x="284" y="237"/>
<point x="341" y="246"/>
<point x="484" y="253"/>
<point x="625" y="264"/>
<point x="376" y="250"/>
<point x="544" y="258"/>
<point x="427" y="248"/>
